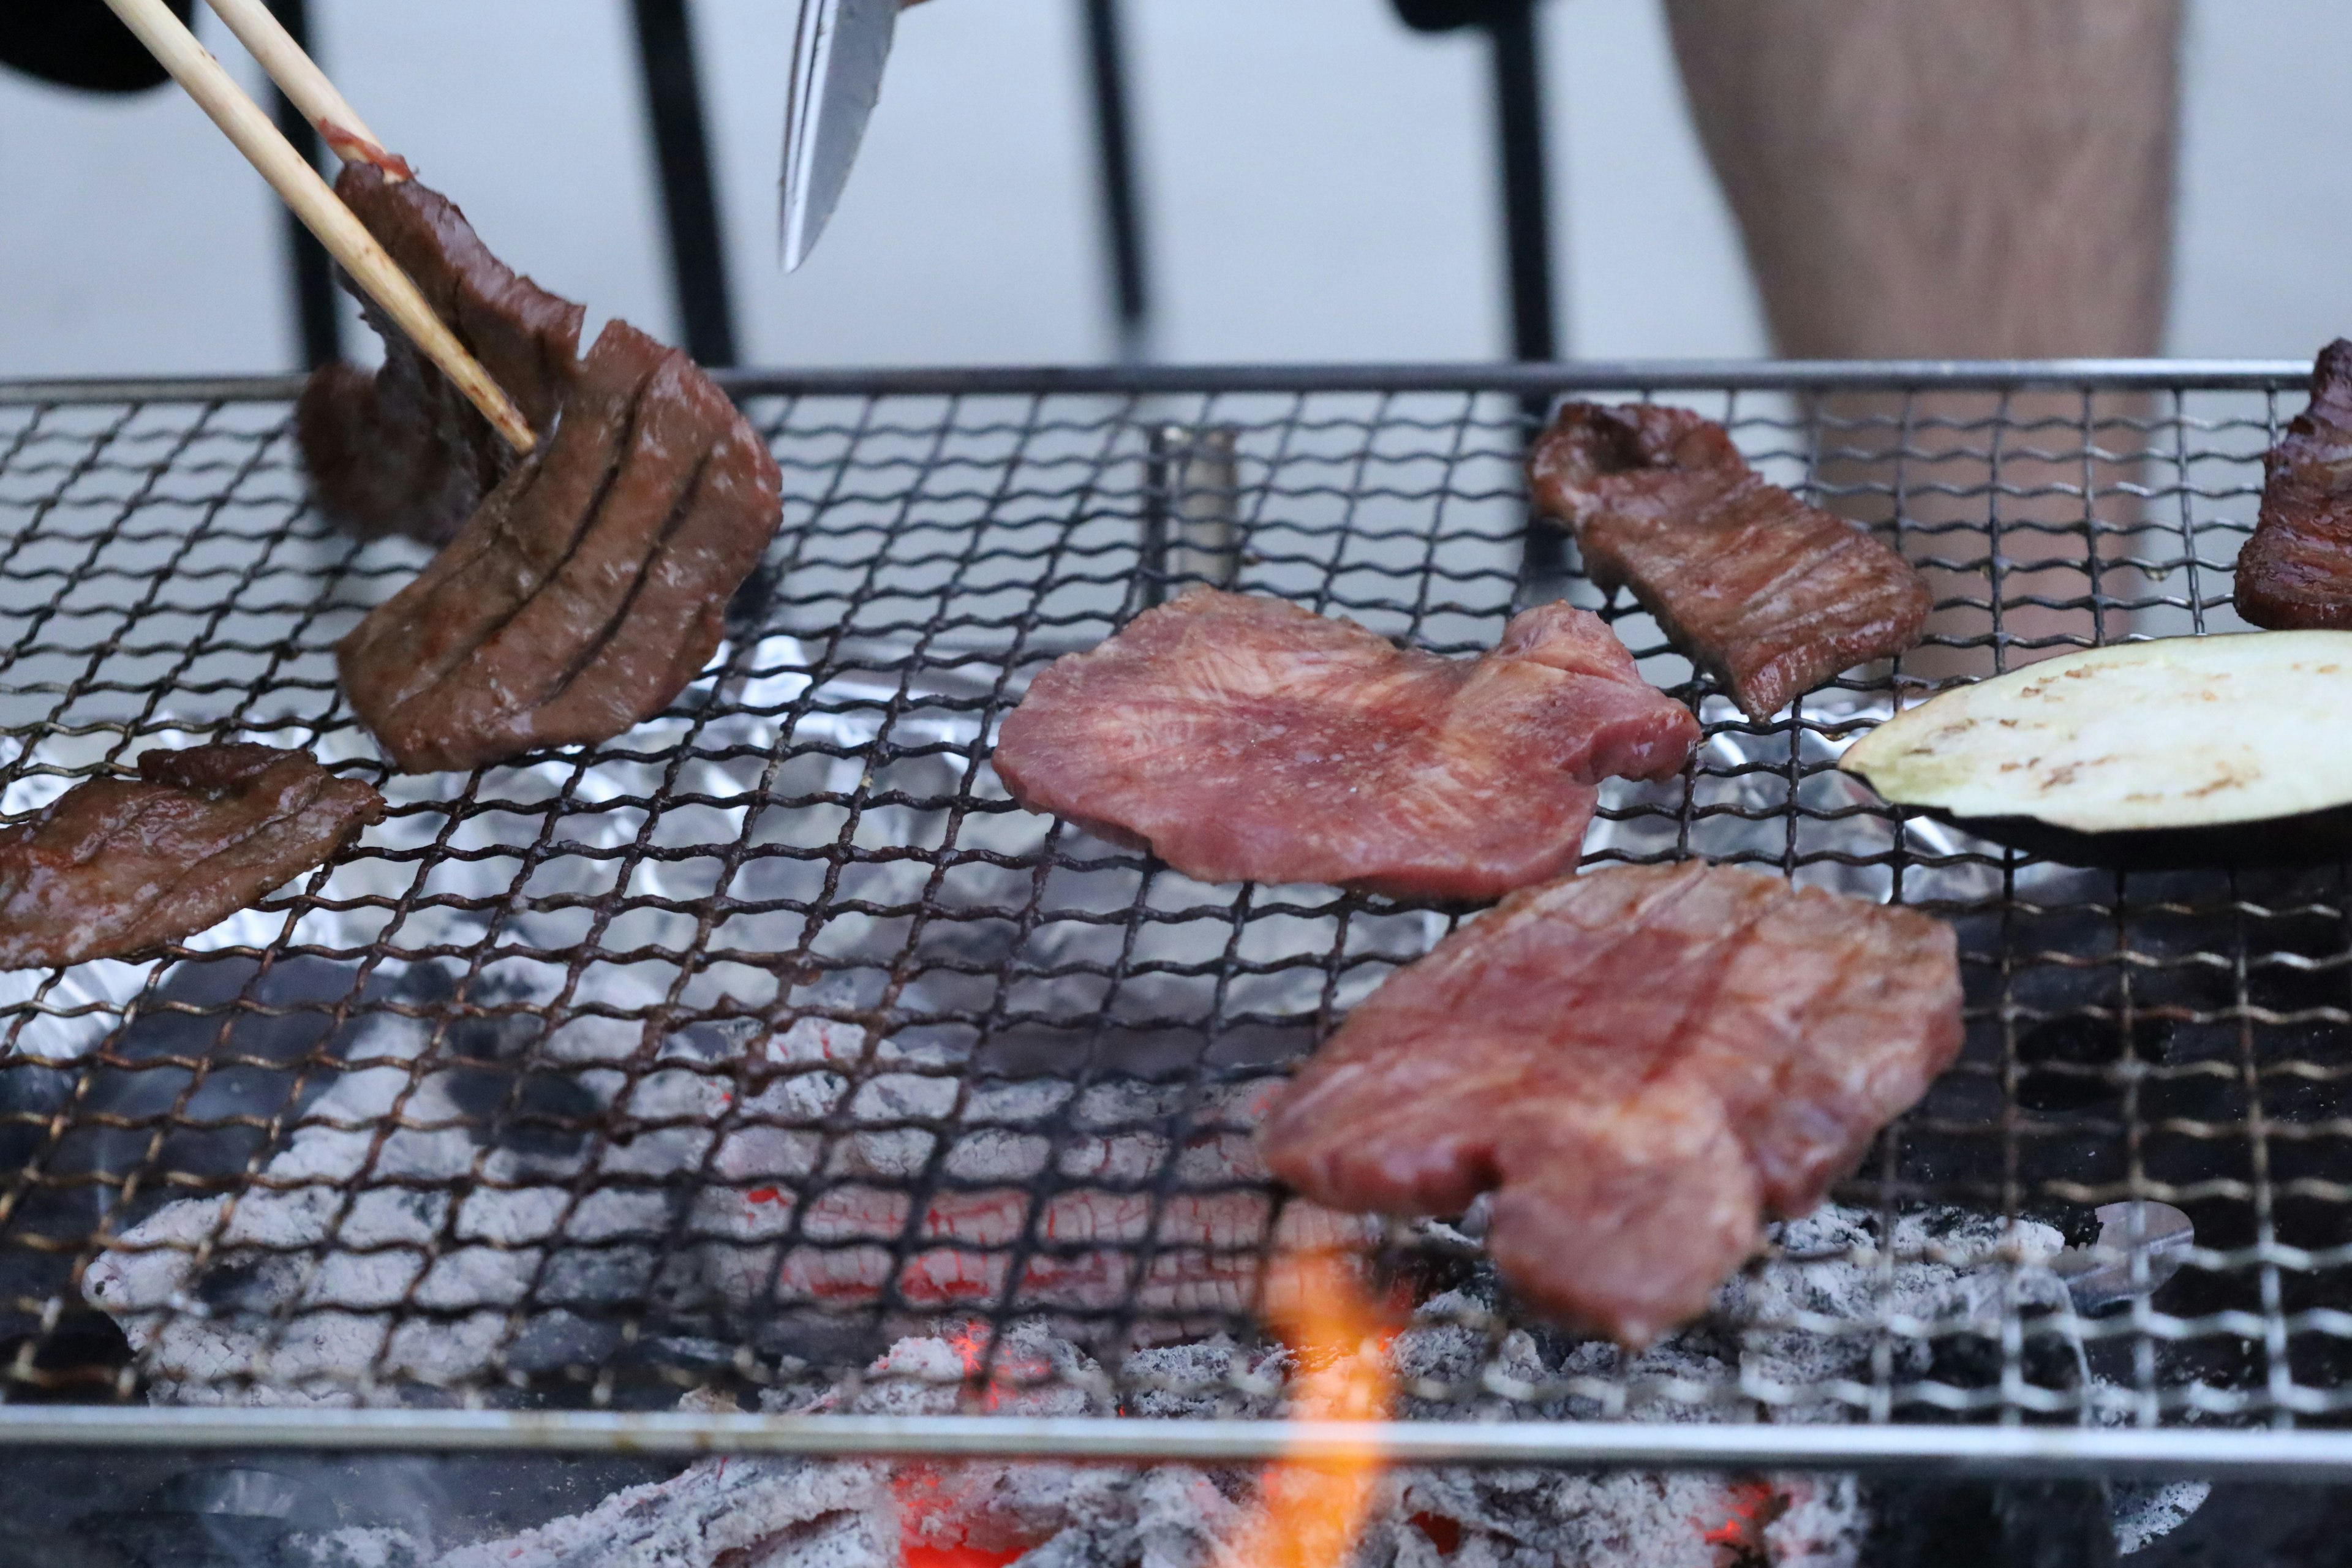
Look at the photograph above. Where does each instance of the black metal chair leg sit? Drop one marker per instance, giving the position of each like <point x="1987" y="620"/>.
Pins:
<point x="317" y="313"/>
<point x="1121" y="204"/>
<point x="690" y="196"/>
<point x="1527" y="185"/>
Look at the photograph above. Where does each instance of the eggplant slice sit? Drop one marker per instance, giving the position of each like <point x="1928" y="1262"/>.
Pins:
<point x="2184" y="751"/>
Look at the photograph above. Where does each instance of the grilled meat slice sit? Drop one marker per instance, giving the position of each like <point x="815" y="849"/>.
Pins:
<point x="401" y="450"/>
<point x="118" y="866"/>
<point x="1642" y="1062"/>
<point x="1767" y="594"/>
<point x="589" y="587"/>
<point x="1242" y="738"/>
<point x="2297" y="571"/>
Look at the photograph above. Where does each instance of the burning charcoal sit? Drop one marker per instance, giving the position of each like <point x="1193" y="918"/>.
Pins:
<point x="1098" y="1207"/>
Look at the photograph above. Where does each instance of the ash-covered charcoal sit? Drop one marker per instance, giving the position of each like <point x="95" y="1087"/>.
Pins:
<point x="117" y="867"/>
<point x="1814" y="1314"/>
<point x="402" y="450"/>
<point x="590" y="587"/>
<point x="1770" y="596"/>
<point x="394" y="1247"/>
<point x="1069" y="1183"/>
<point x="777" y="1513"/>
<point x="1245" y="739"/>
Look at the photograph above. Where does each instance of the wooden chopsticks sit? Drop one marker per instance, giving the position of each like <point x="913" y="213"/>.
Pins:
<point x="298" y="76"/>
<point x="311" y="199"/>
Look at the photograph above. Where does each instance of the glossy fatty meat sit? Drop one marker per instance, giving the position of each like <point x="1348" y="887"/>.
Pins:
<point x="399" y="450"/>
<point x="1641" y="1063"/>
<point x="586" y="590"/>
<point x="119" y="866"/>
<point x="1245" y="739"/>
<point x="2295" y="572"/>
<point x="1770" y="596"/>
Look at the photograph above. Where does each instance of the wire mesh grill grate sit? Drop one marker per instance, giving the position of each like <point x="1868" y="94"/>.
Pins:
<point x="718" y="1057"/>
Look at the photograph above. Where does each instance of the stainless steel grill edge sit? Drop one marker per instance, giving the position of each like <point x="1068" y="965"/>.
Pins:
<point x="716" y="1056"/>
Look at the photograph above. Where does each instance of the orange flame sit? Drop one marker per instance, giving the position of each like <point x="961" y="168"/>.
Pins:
<point x="1310" y="1514"/>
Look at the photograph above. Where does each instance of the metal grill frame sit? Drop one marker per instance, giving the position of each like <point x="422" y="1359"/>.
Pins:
<point x="2150" y="1446"/>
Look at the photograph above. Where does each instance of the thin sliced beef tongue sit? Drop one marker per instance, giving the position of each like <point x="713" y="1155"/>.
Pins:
<point x="118" y="866"/>
<point x="1770" y="596"/>
<point x="401" y="450"/>
<point x="2297" y="571"/>
<point x="1244" y="738"/>
<point x="1642" y="1063"/>
<point x="589" y="587"/>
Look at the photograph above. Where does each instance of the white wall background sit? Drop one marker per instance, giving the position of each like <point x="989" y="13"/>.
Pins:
<point x="1319" y="186"/>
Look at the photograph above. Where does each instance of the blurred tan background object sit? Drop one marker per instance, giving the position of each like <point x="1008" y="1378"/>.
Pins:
<point x="1965" y="179"/>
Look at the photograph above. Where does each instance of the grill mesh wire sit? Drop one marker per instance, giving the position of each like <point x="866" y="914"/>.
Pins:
<point x="813" y="833"/>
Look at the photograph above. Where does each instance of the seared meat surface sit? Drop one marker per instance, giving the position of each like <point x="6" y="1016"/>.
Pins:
<point x="2297" y="571"/>
<point x="1770" y="596"/>
<point x="401" y="450"/>
<point x="117" y="865"/>
<point x="589" y="587"/>
<point x="1642" y="1062"/>
<point x="1245" y="739"/>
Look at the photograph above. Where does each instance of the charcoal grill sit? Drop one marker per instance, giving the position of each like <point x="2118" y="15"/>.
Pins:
<point x="455" y="1131"/>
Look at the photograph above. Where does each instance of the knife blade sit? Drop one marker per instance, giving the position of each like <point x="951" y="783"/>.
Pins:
<point x="838" y="53"/>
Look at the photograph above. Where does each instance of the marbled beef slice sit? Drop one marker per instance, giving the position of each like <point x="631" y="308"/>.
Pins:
<point x="1641" y="1063"/>
<point x="1246" y="739"/>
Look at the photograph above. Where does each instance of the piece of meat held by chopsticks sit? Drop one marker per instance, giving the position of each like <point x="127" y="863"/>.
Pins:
<point x="1770" y="596"/>
<point x="1245" y="739"/>
<point x="1640" y="1062"/>
<point x="401" y="450"/>
<point x="2295" y="572"/>
<point x="589" y="587"/>
<point x="118" y="866"/>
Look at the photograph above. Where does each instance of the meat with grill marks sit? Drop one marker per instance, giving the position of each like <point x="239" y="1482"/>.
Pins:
<point x="589" y="587"/>
<point x="1641" y="1063"/>
<point x="2295" y="572"/>
<point x="401" y="450"/>
<point x="119" y="866"/>
<point x="1770" y="596"/>
<point x="1245" y="739"/>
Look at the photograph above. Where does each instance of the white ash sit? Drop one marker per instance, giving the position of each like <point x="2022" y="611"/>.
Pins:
<point x="361" y="1225"/>
<point x="758" y="1513"/>
<point x="360" y="1546"/>
<point x="2146" y="1512"/>
<point x="1811" y="1315"/>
